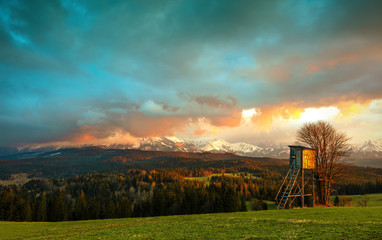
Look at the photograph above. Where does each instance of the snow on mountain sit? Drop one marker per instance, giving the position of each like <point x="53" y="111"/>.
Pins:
<point x="368" y="151"/>
<point x="368" y="154"/>
<point x="370" y="146"/>
<point x="217" y="146"/>
<point x="245" y="149"/>
<point x="175" y="139"/>
<point x="200" y="143"/>
<point x="164" y="144"/>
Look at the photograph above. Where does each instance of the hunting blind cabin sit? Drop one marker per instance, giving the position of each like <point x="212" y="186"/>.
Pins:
<point x="299" y="181"/>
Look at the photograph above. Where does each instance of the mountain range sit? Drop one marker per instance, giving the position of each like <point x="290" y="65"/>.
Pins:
<point x="216" y="146"/>
<point x="371" y="149"/>
<point x="367" y="154"/>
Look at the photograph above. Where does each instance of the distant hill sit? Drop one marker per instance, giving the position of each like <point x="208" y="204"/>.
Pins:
<point x="367" y="154"/>
<point x="74" y="161"/>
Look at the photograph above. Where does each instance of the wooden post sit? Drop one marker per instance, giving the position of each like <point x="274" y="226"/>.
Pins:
<point x="303" y="186"/>
<point x="313" y="193"/>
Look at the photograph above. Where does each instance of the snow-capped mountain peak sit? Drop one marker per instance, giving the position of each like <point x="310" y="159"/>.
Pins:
<point x="175" y="139"/>
<point x="245" y="149"/>
<point x="164" y="144"/>
<point x="369" y="151"/>
<point x="370" y="146"/>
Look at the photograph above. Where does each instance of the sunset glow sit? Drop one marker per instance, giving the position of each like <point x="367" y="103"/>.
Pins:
<point x="100" y="72"/>
<point x="247" y="114"/>
<point x="315" y="114"/>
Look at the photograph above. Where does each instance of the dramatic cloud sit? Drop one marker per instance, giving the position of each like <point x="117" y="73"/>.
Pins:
<point x="101" y="71"/>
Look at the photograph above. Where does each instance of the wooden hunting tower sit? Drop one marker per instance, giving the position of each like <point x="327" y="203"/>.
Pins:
<point x="301" y="166"/>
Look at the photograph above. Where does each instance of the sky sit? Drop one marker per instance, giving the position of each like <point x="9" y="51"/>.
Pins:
<point x="102" y="72"/>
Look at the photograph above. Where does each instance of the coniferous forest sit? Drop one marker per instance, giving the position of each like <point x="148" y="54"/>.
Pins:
<point x="142" y="193"/>
<point x="138" y="193"/>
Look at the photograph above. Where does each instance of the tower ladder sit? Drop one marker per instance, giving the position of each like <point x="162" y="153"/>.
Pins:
<point x="286" y="189"/>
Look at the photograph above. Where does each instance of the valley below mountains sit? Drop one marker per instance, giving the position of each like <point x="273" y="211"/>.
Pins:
<point x="367" y="154"/>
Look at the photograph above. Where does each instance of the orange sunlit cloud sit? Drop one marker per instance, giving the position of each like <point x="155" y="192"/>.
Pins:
<point x="351" y="108"/>
<point x="330" y="63"/>
<point x="268" y="114"/>
<point x="251" y="121"/>
<point x="227" y="121"/>
<point x="199" y="131"/>
<point x="85" y="138"/>
<point x="332" y="58"/>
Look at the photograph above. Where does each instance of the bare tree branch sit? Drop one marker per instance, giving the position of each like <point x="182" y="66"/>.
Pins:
<point x="331" y="151"/>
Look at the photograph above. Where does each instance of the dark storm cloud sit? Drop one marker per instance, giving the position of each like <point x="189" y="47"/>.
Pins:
<point x="68" y="64"/>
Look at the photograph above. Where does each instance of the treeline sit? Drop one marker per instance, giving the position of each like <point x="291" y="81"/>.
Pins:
<point x="141" y="193"/>
<point x="138" y="193"/>
<point x="373" y="186"/>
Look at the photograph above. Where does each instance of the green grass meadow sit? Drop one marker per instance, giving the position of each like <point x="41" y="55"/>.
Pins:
<point x="308" y="223"/>
<point x="373" y="200"/>
<point x="207" y="178"/>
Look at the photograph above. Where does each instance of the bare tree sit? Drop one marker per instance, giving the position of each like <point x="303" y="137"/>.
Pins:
<point x="364" y="200"/>
<point x="331" y="150"/>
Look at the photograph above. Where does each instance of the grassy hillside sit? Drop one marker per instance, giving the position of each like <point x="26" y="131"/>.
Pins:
<point x="373" y="200"/>
<point x="317" y="223"/>
<point x="208" y="178"/>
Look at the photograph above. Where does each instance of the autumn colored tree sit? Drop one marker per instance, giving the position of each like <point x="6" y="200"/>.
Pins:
<point x="331" y="151"/>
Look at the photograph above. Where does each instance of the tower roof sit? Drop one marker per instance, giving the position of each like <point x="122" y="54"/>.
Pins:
<point x="299" y="146"/>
